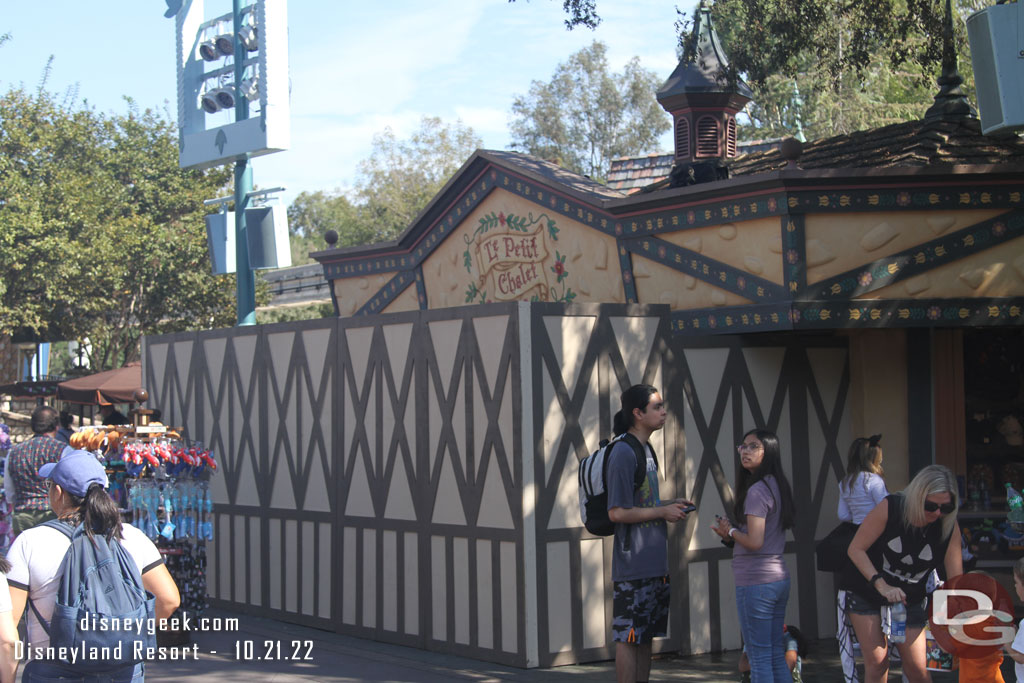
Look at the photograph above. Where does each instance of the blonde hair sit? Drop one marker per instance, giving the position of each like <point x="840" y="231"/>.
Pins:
<point x="930" y="480"/>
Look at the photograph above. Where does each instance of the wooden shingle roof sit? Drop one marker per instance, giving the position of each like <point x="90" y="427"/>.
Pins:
<point x="956" y="141"/>
<point x="953" y="141"/>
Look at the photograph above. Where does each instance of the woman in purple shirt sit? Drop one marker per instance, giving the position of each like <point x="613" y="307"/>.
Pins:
<point x="764" y="510"/>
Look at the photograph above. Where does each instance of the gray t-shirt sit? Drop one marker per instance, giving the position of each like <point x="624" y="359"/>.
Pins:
<point x="752" y="568"/>
<point x="642" y="552"/>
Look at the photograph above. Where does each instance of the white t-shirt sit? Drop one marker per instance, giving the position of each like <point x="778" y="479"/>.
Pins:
<point x="36" y="556"/>
<point x="856" y="501"/>
<point x="5" y="595"/>
<point x="1018" y="645"/>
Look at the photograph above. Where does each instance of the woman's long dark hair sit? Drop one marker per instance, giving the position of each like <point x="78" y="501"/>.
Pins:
<point x="97" y="513"/>
<point x="637" y="396"/>
<point x="771" y="464"/>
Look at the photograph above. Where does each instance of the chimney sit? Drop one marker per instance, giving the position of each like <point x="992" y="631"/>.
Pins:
<point x="702" y="102"/>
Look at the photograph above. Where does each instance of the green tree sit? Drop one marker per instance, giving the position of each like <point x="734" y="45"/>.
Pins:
<point x="312" y="214"/>
<point x="394" y="184"/>
<point x="585" y="116"/>
<point x="837" y="68"/>
<point x="580" y="13"/>
<point x="400" y="177"/>
<point x="285" y="314"/>
<point x="101" y="233"/>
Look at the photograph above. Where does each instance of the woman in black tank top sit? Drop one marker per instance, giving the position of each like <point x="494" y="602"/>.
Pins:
<point x="900" y="542"/>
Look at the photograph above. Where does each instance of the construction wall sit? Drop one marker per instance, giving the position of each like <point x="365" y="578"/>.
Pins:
<point x="411" y="477"/>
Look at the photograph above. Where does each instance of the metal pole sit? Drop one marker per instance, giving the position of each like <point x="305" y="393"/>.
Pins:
<point x="245" y="280"/>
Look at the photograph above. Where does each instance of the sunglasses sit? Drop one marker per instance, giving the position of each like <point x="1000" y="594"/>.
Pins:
<point x="945" y="508"/>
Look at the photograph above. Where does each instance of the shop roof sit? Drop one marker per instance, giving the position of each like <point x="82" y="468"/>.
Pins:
<point x="912" y="143"/>
<point x="951" y="141"/>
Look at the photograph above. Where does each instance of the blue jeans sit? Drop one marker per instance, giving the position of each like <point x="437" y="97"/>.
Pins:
<point x="39" y="671"/>
<point x="762" y="612"/>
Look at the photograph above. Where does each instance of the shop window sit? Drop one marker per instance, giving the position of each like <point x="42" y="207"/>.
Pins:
<point x="708" y="137"/>
<point x="994" y="406"/>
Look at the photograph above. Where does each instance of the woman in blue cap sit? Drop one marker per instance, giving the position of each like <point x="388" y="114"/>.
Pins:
<point x="77" y="496"/>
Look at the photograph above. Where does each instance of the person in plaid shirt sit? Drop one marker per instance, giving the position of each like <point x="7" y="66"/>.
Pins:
<point x="25" y="489"/>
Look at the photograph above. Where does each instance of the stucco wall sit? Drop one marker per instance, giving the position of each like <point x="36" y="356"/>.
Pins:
<point x="878" y="397"/>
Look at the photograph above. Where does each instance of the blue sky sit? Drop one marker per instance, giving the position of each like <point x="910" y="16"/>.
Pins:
<point x="356" y="67"/>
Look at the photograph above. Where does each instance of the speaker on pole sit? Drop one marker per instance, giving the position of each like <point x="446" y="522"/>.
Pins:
<point x="996" y="35"/>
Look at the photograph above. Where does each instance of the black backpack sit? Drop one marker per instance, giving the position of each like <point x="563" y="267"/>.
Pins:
<point x="594" y="483"/>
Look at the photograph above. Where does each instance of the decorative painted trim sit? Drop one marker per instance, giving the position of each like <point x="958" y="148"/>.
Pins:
<point x="701" y="215"/>
<point x="905" y="199"/>
<point x="704" y="268"/>
<point x="732" y="320"/>
<point x="421" y="288"/>
<point x="920" y="258"/>
<point x="379" y="301"/>
<point x="959" y="312"/>
<point x="794" y="254"/>
<point x="628" y="282"/>
<point x="862" y="314"/>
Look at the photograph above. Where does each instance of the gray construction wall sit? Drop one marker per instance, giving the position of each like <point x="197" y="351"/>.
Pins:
<point x="411" y="477"/>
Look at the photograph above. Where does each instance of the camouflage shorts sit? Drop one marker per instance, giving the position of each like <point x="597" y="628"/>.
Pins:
<point x="640" y="609"/>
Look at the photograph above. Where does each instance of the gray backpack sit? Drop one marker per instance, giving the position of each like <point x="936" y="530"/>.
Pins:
<point x="101" y="589"/>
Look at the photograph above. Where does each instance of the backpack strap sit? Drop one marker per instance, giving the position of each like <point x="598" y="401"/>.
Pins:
<point x="60" y="526"/>
<point x="640" y="474"/>
<point x="68" y="531"/>
<point x="641" y="459"/>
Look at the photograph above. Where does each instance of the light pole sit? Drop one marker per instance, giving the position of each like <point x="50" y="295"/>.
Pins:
<point x="245" y="280"/>
<point x="207" y="85"/>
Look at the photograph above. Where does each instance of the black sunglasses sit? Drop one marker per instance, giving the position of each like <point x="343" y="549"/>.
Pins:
<point x="945" y="508"/>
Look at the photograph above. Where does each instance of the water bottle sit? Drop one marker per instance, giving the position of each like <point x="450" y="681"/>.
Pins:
<point x="897" y="622"/>
<point x="1013" y="499"/>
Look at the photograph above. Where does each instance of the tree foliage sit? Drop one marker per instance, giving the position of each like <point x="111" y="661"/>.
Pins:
<point x="101" y="233"/>
<point x="832" y="67"/>
<point x="580" y="13"/>
<point x="287" y="314"/>
<point x="586" y="116"/>
<point x="835" y="67"/>
<point x="394" y="184"/>
<point x="312" y="214"/>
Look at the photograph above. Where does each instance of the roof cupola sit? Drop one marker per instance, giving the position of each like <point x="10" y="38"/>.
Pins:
<point x="702" y="100"/>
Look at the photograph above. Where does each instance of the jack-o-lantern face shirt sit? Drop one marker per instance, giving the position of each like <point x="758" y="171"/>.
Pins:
<point x="909" y="554"/>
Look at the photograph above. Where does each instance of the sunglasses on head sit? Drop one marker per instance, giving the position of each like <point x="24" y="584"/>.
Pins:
<point x="945" y="508"/>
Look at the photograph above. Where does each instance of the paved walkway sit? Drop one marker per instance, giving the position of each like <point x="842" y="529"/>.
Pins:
<point x="343" y="658"/>
<point x="334" y="657"/>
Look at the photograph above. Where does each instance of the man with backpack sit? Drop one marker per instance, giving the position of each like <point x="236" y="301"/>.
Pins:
<point x="640" y="557"/>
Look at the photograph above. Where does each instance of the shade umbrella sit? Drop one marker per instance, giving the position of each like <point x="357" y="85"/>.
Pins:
<point x="111" y="386"/>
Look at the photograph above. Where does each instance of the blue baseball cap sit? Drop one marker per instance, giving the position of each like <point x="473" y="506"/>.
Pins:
<point x="75" y="472"/>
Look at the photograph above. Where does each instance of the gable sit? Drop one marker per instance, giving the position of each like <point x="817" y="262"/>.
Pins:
<point x="510" y="248"/>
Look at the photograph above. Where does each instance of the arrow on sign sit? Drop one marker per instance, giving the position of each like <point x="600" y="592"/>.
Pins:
<point x="220" y="141"/>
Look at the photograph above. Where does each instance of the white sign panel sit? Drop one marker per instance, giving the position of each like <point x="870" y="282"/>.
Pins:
<point x="201" y="143"/>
